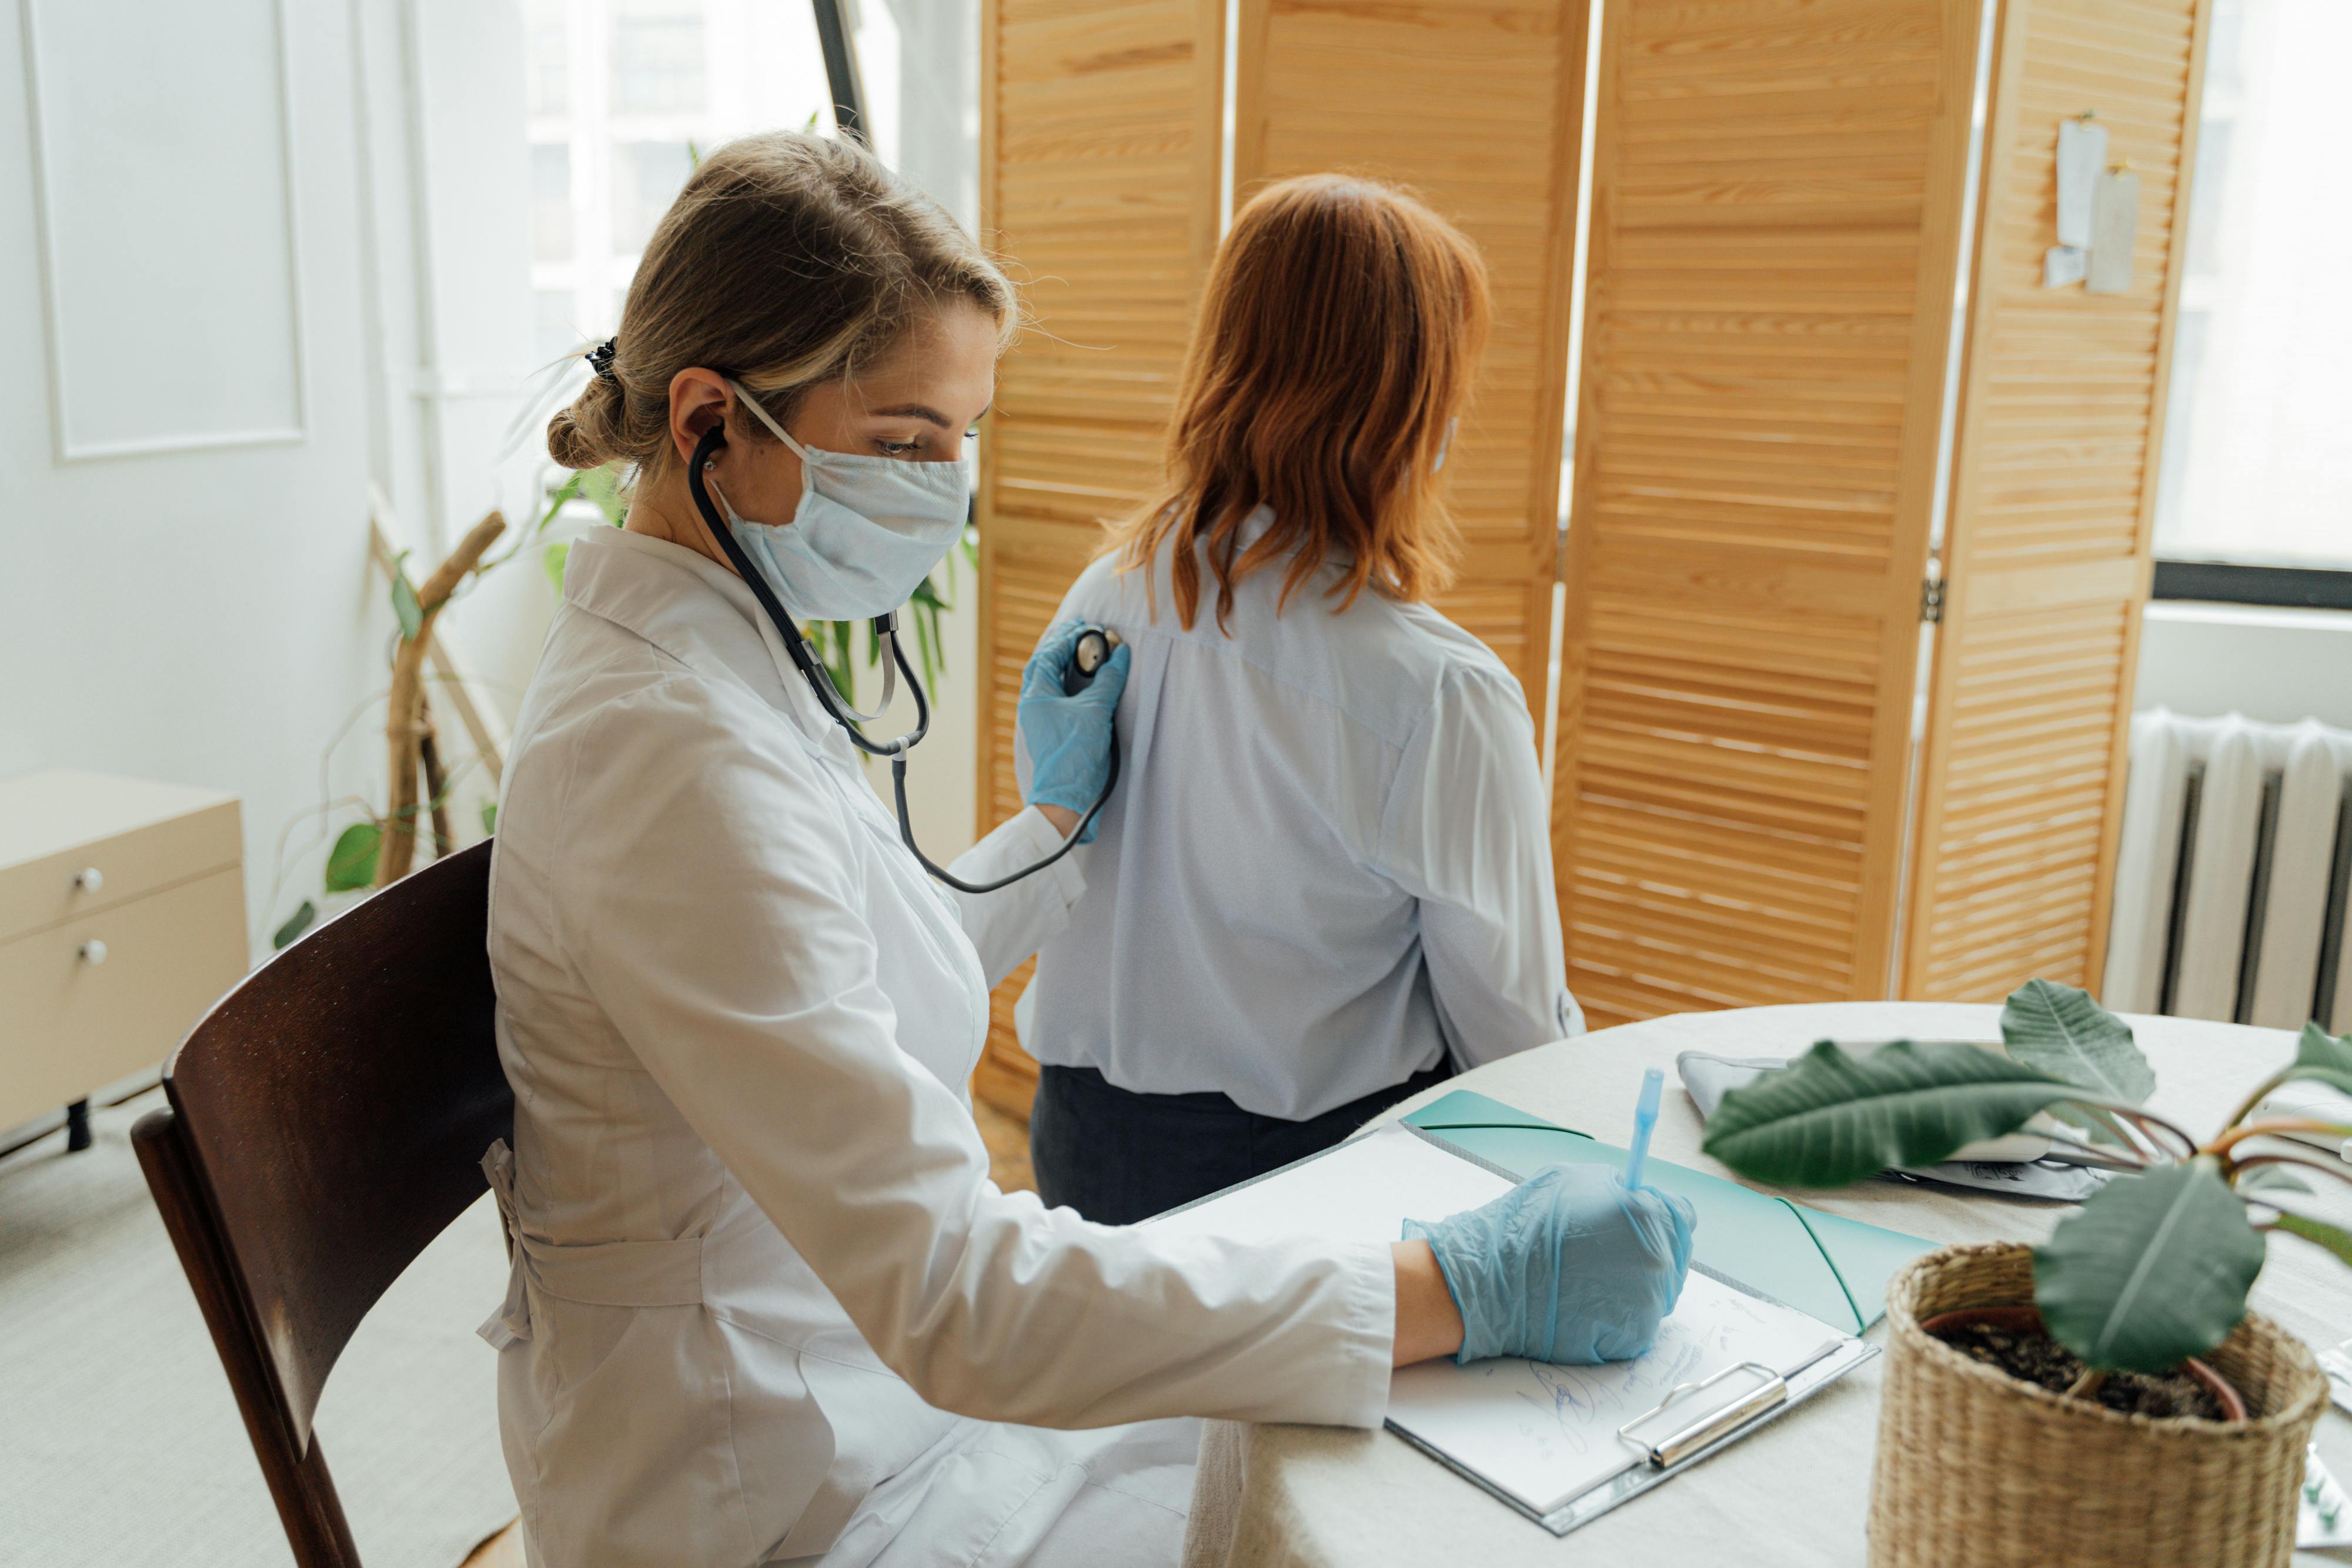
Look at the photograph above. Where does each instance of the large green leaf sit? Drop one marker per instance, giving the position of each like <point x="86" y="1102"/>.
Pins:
<point x="352" y="863"/>
<point x="2324" y="1056"/>
<point x="2063" y="1032"/>
<point x="2155" y="1268"/>
<point x="2334" y="1238"/>
<point x="1828" y="1118"/>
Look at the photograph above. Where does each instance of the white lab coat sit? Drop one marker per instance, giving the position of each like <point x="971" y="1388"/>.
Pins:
<point x="760" y="1271"/>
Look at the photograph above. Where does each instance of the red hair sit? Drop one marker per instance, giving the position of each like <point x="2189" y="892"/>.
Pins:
<point x="1338" y="337"/>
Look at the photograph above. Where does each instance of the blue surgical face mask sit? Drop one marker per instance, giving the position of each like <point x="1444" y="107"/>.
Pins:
<point x="867" y="533"/>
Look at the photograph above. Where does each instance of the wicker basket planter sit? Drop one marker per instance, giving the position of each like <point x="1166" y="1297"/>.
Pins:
<point x="1975" y="1470"/>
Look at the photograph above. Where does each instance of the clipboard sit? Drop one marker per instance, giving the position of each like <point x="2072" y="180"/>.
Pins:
<point x="1693" y="1423"/>
<point x="1477" y="1431"/>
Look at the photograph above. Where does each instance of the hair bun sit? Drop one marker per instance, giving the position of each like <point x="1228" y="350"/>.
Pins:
<point x="585" y="434"/>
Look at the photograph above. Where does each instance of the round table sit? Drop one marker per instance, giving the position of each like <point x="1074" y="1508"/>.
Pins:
<point x="1795" y="1493"/>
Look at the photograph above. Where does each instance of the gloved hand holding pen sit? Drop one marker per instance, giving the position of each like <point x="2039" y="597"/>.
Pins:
<point x="1570" y="1266"/>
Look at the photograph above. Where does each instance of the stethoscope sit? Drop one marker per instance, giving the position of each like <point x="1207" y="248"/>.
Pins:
<point x="1094" y="647"/>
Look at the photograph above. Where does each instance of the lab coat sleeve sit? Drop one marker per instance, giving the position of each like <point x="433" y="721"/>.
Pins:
<point x="1009" y="926"/>
<point x="1466" y="831"/>
<point x="708" y="901"/>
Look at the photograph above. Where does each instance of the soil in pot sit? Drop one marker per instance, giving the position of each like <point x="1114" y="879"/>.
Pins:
<point x="2031" y="1355"/>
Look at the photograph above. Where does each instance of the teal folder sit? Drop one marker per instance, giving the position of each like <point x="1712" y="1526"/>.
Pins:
<point x="1834" y="1268"/>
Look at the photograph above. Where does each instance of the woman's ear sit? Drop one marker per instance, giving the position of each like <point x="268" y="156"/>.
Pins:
<point x="699" y="399"/>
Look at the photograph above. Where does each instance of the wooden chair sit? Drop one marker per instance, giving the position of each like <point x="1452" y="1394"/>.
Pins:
<point x="327" y="1120"/>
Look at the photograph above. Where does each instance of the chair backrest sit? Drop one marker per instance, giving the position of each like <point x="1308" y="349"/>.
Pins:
<point x="327" y="1121"/>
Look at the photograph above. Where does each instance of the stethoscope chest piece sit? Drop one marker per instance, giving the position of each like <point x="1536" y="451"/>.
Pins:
<point x="1091" y="653"/>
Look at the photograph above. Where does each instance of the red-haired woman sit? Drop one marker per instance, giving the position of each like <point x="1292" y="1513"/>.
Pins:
<point x="1324" y="882"/>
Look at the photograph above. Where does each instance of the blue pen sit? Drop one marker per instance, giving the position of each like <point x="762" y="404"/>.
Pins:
<point x="1645" y="1121"/>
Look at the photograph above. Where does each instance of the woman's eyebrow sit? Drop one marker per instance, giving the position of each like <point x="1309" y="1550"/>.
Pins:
<point x="919" y="411"/>
<point x="911" y="411"/>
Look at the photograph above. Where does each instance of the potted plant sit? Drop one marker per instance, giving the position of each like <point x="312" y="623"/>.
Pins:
<point x="2072" y="1403"/>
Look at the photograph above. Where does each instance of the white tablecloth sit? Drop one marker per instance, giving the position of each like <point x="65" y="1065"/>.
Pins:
<point x="1795" y="1494"/>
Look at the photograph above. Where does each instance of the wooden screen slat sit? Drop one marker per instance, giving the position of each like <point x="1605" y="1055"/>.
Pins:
<point x="2055" y="478"/>
<point x="1478" y="106"/>
<point x="1777" y="203"/>
<point x="1100" y="148"/>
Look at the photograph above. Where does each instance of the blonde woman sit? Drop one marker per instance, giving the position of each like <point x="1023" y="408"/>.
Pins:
<point x="1325" y="880"/>
<point x="766" y="1304"/>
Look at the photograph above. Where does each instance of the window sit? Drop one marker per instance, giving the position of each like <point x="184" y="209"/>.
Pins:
<point x="2257" y="465"/>
<point x="646" y="175"/>
<point x="550" y="202"/>
<point x="624" y="94"/>
<point x="657" y="57"/>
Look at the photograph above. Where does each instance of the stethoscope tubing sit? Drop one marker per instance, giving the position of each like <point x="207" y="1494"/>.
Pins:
<point x="829" y="697"/>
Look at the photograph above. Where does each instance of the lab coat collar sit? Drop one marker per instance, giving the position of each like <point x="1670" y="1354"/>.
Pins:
<point x="663" y="592"/>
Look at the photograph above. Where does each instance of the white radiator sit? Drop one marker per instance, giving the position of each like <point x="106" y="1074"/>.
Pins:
<point x="2231" y="874"/>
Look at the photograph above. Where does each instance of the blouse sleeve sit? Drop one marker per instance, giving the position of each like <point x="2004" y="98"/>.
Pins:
<point x="721" y="926"/>
<point x="1467" y="832"/>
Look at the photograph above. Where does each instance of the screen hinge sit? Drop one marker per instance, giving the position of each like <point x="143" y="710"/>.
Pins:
<point x="1931" y="600"/>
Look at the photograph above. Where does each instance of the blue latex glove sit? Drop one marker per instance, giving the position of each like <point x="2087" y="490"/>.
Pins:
<point x="1069" y="737"/>
<point x="1570" y="1266"/>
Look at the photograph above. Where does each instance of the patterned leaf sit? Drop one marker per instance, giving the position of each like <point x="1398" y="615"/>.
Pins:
<point x="2154" y="1267"/>
<point x="1827" y="1119"/>
<point x="2063" y="1032"/>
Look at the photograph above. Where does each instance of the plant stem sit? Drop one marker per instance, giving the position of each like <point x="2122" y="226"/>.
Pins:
<point x="2143" y="1119"/>
<point x="2284" y="1124"/>
<point x="2337" y="1171"/>
<point x="2087" y="1385"/>
<point x="2261" y="1090"/>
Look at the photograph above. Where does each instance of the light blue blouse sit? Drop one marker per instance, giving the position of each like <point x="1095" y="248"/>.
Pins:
<point x="1327" y="863"/>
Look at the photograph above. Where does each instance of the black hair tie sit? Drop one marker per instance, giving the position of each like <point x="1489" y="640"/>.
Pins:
<point x="600" y="360"/>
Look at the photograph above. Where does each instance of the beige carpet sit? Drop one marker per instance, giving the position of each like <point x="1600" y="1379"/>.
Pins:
<point x="120" y="1445"/>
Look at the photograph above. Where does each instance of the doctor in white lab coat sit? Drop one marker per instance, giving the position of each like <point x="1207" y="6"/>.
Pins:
<point x="766" y="1303"/>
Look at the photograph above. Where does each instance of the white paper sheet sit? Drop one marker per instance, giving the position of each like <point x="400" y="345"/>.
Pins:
<point x="1362" y="1191"/>
<point x="2082" y="156"/>
<point x="2114" y="224"/>
<point x="2063" y="265"/>
<point x="1546" y="1434"/>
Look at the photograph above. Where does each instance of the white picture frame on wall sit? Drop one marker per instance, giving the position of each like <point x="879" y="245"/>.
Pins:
<point x="156" y="166"/>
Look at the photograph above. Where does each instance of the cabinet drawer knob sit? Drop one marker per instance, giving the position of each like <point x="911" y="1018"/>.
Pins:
<point x="93" y="951"/>
<point x="91" y="879"/>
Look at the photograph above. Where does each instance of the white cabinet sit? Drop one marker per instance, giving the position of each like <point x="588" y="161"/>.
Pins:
<point x="122" y="919"/>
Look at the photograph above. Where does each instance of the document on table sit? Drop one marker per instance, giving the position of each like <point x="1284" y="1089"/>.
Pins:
<point x="1538" y="1436"/>
<point x="1548" y="1435"/>
<point x="1361" y="1191"/>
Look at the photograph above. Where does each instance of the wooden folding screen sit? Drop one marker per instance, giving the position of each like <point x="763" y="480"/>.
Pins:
<point x="1100" y="155"/>
<point x="2054" y="491"/>
<point x="1776" y="202"/>
<point x="1479" y="109"/>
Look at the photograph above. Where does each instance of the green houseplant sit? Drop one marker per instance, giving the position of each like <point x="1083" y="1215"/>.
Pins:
<point x="2153" y="1270"/>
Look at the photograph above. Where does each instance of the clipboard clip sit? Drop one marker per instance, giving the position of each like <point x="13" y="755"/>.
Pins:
<point x="1718" y="1421"/>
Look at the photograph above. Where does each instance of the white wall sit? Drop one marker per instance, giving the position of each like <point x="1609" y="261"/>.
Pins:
<point x="199" y="616"/>
<point x="2283" y="665"/>
<point x="208" y="614"/>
